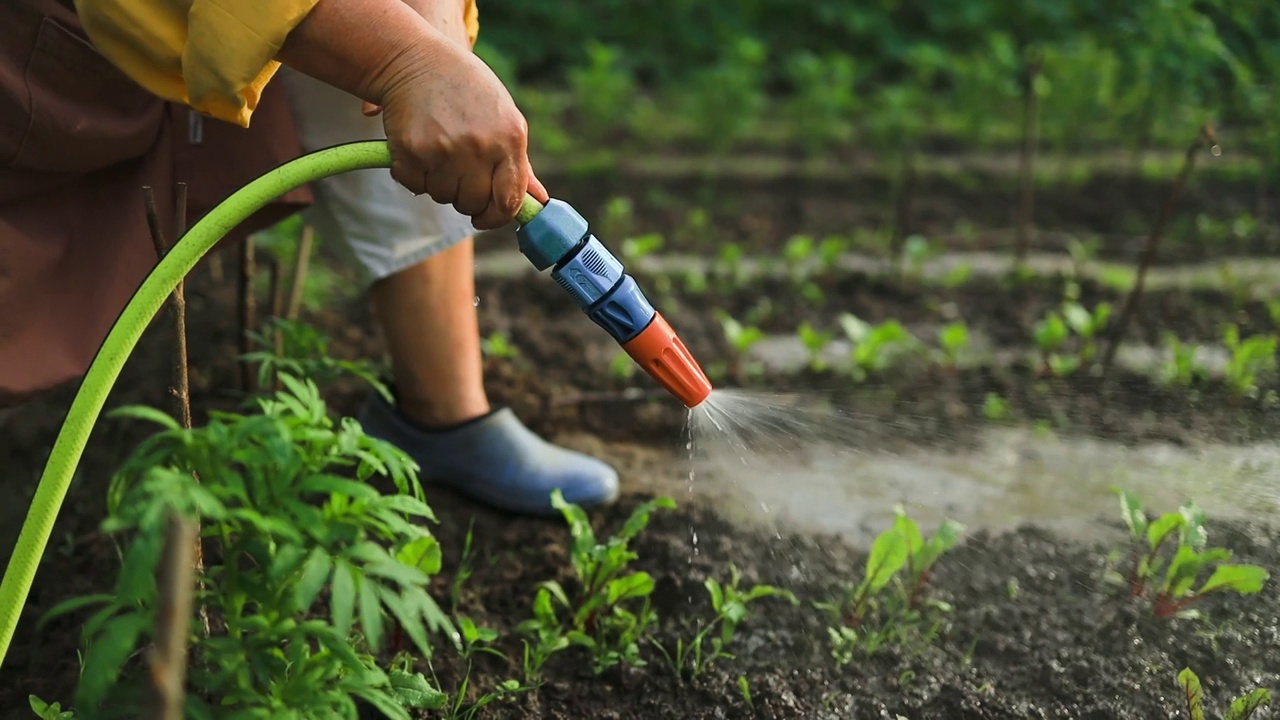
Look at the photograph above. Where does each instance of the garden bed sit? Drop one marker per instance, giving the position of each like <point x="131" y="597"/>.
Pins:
<point x="1035" y="631"/>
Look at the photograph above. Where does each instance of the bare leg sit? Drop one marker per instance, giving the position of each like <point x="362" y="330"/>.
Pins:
<point x="428" y="316"/>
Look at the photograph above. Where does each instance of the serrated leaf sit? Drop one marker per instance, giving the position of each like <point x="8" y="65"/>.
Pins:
<point x="370" y="613"/>
<point x="314" y="574"/>
<point x="422" y="554"/>
<point x="106" y="656"/>
<point x="343" y="597"/>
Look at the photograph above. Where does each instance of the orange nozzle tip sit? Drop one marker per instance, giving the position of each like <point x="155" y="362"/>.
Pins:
<point x="660" y="352"/>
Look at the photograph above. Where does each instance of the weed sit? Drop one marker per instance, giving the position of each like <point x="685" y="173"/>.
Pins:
<point x="1173" y="591"/>
<point x="602" y="615"/>
<point x="287" y="523"/>
<point x="730" y="605"/>
<point x="1242" y="708"/>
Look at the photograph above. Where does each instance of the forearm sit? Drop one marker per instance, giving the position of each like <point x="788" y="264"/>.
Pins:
<point x="359" y="46"/>
<point x="446" y="16"/>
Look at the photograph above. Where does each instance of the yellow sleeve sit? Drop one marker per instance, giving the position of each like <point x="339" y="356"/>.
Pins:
<point x="213" y="55"/>
<point x="472" y="17"/>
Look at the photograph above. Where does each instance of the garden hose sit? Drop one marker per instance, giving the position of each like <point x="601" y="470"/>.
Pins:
<point x="551" y="235"/>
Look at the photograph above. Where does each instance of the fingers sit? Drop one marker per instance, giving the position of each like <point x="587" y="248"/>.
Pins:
<point x="538" y="190"/>
<point x="508" y="183"/>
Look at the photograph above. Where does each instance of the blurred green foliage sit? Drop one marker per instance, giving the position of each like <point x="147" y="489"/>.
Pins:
<point x="1145" y="71"/>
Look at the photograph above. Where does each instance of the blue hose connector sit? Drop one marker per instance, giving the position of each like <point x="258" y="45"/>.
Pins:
<point x="559" y="238"/>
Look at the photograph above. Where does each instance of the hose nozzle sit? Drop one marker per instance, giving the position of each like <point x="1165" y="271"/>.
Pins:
<point x="555" y="236"/>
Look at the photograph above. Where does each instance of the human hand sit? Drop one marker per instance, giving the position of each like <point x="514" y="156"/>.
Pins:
<point x="457" y="136"/>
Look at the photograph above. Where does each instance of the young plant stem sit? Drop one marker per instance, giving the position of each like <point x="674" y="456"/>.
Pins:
<point x="168" y="658"/>
<point x="1026" y="162"/>
<point x="247" y="312"/>
<point x="1206" y="136"/>
<point x="181" y="389"/>
<point x="300" y="267"/>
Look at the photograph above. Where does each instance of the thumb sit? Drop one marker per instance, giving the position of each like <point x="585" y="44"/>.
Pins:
<point x="537" y="190"/>
<point x="369" y="109"/>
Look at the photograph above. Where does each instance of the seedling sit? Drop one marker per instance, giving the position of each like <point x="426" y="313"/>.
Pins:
<point x="49" y="711"/>
<point x="642" y="246"/>
<point x="916" y="250"/>
<point x="609" y="613"/>
<point x="1242" y="708"/>
<point x="795" y="253"/>
<point x="498" y="345"/>
<point x="744" y="688"/>
<point x="815" y="343"/>
<point x="902" y="557"/>
<point x="994" y="407"/>
<point x="1087" y="326"/>
<point x="876" y="348"/>
<point x="1249" y="358"/>
<point x="829" y="252"/>
<point x="730" y="605"/>
<point x="953" y="340"/>
<point x="287" y="523"/>
<point x="741" y="339"/>
<point x="1171" y="590"/>
<point x="1184" y="366"/>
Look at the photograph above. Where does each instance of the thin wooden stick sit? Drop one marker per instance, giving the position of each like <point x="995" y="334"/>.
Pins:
<point x="300" y="268"/>
<point x="248" y="313"/>
<point x="1208" y="137"/>
<point x="175" y="588"/>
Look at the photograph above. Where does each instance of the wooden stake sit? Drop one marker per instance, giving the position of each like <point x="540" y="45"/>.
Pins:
<point x="1206" y="137"/>
<point x="301" y="265"/>
<point x="175" y="587"/>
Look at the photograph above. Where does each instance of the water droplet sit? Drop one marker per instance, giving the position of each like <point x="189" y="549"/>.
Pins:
<point x="476" y="302"/>
<point x="1216" y="150"/>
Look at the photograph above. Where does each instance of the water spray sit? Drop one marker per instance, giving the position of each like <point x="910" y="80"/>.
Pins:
<point x="555" y="236"/>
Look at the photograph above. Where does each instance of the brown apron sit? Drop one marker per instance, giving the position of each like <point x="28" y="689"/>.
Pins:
<point x="78" y="141"/>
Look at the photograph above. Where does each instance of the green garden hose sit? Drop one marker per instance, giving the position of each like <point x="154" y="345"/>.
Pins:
<point x="124" y="335"/>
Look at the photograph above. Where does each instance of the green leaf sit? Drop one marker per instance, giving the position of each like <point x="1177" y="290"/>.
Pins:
<point x="370" y="613"/>
<point x="314" y="575"/>
<point x="422" y="554"/>
<point x="1192" y="531"/>
<point x="909" y="530"/>
<point x="73" y="604"/>
<point x="148" y="414"/>
<point x="343" y="597"/>
<point x="410" y="621"/>
<point x="106" y="656"/>
<point x="1131" y="511"/>
<point x="1243" y="579"/>
<point x="1191" y="691"/>
<point x="717" y="594"/>
<point x="414" y="691"/>
<point x="640" y="517"/>
<point x="1182" y="571"/>
<point x="633" y="586"/>
<point x="1242" y="708"/>
<point x="334" y="485"/>
<point x="888" y="555"/>
<point x="1159" y="530"/>
<point x="384" y="703"/>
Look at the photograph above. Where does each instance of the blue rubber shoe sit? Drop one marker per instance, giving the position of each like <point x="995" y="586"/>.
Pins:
<point x="495" y="460"/>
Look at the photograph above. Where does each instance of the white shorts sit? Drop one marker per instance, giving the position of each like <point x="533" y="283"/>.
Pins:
<point x="383" y="226"/>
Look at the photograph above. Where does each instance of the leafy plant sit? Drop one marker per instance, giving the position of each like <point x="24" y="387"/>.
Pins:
<point x="1183" y="532"/>
<point x="304" y="353"/>
<point x="1249" y="358"/>
<point x="815" y="343"/>
<point x="725" y="99"/>
<point x="823" y="98"/>
<point x="741" y="339"/>
<point x="730" y="605"/>
<point x="601" y="88"/>
<point x="603" y="615"/>
<point x="953" y="339"/>
<point x="1184" y="366"/>
<point x="272" y="495"/>
<point x="869" y="617"/>
<point x="878" y="347"/>
<point x="1242" y="708"/>
<point x="48" y="711"/>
